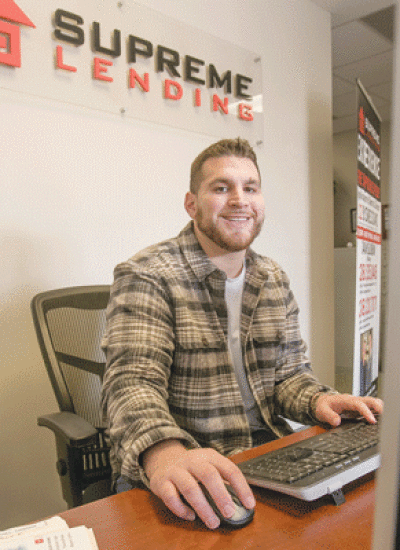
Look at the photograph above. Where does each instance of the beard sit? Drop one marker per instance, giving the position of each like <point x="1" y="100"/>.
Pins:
<point x="233" y="241"/>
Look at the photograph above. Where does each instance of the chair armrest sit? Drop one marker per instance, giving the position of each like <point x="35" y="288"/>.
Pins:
<point x="75" y="430"/>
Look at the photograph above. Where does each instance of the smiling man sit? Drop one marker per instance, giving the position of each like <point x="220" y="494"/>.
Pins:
<point x="227" y="208"/>
<point x="204" y="353"/>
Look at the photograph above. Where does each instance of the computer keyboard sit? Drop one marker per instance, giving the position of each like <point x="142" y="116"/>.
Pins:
<point x="319" y="465"/>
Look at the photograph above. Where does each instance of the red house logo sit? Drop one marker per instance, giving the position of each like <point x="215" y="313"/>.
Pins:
<point x="10" y="36"/>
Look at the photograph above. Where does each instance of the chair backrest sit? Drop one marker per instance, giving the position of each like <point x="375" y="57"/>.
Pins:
<point x="70" y="323"/>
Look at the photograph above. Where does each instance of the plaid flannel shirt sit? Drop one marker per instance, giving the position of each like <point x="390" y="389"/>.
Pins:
<point x="169" y="372"/>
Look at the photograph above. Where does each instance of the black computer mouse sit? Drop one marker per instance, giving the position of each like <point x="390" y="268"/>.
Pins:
<point x="242" y="516"/>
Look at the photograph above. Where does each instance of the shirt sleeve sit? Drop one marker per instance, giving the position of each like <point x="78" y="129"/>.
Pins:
<point x="296" y="385"/>
<point x="139" y="348"/>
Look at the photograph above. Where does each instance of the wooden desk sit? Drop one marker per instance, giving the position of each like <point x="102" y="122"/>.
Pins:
<point x="137" y="520"/>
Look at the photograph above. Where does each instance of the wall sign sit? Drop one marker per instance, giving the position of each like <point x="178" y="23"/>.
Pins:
<point x="129" y="60"/>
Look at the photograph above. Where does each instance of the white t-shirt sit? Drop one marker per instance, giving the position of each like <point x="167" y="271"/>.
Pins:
<point x="233" y="298"/>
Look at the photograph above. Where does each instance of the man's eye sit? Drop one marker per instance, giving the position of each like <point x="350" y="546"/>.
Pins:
<point x="220" y="189"/>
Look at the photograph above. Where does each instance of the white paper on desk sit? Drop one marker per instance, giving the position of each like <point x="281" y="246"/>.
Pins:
<point x="52" y="525"/>
<point x="79" y="538"/>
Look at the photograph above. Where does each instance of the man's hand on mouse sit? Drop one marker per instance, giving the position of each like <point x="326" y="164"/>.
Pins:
<point x="329" y="407"/>
<point x="174" y="471"/>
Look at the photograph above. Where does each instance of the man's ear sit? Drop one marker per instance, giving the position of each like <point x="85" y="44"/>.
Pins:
<point x="191" y="204"/>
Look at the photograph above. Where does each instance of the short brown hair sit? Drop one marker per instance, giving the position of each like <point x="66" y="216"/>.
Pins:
<point x="224" y="148"/>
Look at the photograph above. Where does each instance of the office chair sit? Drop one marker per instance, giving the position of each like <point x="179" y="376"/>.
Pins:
<point x="69" y="325"/>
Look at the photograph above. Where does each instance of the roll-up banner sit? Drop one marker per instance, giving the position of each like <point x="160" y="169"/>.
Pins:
<point x="369" y="239"/>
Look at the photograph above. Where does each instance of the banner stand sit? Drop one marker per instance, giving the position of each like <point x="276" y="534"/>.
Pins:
<point x="369" y="243"/>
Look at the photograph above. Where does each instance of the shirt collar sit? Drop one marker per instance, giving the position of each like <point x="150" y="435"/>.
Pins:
<point x="196" y="257"/>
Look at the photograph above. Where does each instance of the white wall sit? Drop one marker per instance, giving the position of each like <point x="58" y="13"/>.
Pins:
<point x="82" y="191"/>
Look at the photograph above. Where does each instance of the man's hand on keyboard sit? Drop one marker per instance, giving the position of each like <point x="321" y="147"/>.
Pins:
<point x="330" y="407"/>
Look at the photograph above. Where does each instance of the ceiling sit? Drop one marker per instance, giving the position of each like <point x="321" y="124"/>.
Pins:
<point x="362" y="47"/>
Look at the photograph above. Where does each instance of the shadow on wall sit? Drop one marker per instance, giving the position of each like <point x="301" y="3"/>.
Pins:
<point x="321" y="237"/>
<point x="29" y="485"/>
<point x="345" y="199"/>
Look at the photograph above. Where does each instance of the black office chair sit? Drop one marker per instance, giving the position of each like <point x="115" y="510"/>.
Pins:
<point x="69" y="325"/>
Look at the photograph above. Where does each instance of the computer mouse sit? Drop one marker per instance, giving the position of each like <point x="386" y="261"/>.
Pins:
<point x="242" y="516"/>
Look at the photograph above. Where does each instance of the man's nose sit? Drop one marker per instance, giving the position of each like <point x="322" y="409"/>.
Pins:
<point x="238" y="196"/>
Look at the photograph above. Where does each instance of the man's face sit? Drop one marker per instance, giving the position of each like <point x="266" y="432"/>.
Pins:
<point x="228" y="209"/>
